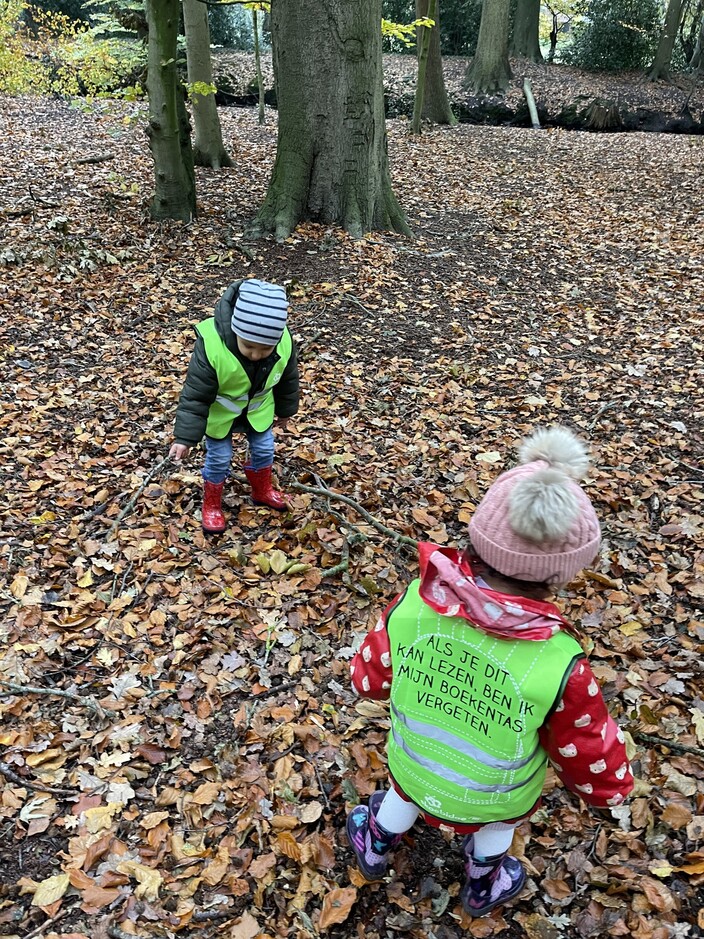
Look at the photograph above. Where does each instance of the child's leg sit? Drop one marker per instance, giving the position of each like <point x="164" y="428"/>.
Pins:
<point x="261" y="448"/>
<point x="372" y="838"/>
<point x="493" y="839"/>
<point x="258" y="470"/>
<point x="395" y="814"/>
<point x="493" y="877"/>
<point x="218" y="456"/>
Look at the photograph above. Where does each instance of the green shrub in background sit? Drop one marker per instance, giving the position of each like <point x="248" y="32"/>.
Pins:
<point x="615" y="35"/>
<point x="459" y="25"/>
<point x="43" y="52"/>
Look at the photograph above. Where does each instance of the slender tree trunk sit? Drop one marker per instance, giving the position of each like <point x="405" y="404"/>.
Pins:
<point x="660" y="69"/>
<point x="331" y="161"/>
<point x="423" y="44"/>
<point x="526" y="31"/>
<point x="258" y="65"/>
<point x="208" y="148"/>
<point x="168" y="130"/>
<point x="695" y="63"/>
<point x="489" y="72"/>
<point x="435" y="105"/>
<point x="553" y="38"/>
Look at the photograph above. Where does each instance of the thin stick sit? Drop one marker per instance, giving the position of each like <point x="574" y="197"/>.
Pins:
<point x="133" y="501"/>
<point x="344" y="564"/>
<point x="670" y="744"/>
<point x="89" y="702"/>
<point x="329" y="494"/>
<point x="37" y="787"/>
<point x="37" y="931"/>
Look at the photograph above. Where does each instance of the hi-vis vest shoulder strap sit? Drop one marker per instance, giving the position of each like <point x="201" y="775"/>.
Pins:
<point x="234" y="386"/>
<point x="466" y="708"/>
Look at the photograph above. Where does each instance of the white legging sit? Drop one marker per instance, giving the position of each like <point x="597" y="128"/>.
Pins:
<point x="397" y="816"/>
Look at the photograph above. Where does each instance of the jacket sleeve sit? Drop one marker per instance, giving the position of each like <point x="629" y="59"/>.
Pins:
<point x="370" y="668"/>
<point x="199" y="391"/>
<point x="287" y="389"/>
<point x="584" y="743"/>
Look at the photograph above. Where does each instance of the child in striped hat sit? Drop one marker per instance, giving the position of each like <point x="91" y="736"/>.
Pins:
<point x="242" y="377"/>
<point x="487" y="680"/>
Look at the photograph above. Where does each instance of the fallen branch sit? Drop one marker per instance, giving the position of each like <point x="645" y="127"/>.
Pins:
<point x="670" y="744"/>
<point x="133" y="501"/>
<point x="329" y="494"/>
<point x="344" y="564"/>
<point x="36" y="787"/>
<point x="205" y="916"/>
<point x="95" y="158"/>
<point x="86" y="700"/>
<point x="530" y="100"/>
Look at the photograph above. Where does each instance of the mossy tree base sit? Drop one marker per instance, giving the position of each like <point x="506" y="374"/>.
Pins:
<point x="331" y="161"/>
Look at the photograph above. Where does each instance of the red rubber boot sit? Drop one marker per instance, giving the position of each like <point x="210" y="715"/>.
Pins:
<point x="263" y="493"/>
<point x="213" y="519"/>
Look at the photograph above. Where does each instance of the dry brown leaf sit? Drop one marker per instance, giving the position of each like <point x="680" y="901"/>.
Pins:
<point x="336" y="906"/>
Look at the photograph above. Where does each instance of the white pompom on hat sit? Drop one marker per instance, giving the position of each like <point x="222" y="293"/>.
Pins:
<point x="536" y="523"/>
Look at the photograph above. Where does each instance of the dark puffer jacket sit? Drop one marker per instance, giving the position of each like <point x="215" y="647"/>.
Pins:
<point x="201" y="386"/>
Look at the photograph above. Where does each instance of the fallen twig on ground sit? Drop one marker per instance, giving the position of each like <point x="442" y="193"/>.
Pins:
<point x="329" y="494"/>
<point x="9" y="774"/>
<point x="86" y="700"/>
<point x="133" y="501"/>
<point x="670" y="744"/>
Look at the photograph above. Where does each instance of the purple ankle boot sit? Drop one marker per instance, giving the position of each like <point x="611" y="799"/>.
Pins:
<point x="370" y="842"/>
<point x="491" y="881"/>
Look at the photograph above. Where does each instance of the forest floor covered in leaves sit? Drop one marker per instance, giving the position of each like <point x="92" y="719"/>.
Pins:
<point x="562" y="93"/>
<point x="179" y="741"/>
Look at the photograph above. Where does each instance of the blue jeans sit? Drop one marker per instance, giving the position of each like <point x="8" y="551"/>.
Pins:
<point x="218" y="454"/>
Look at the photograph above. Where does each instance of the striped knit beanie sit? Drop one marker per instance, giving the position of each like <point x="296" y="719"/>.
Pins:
<point x="536" y="523"/>
<point x="260" y="312"/>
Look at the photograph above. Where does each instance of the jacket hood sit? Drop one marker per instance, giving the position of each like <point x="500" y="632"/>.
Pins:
<point x="223" y="316"/>
<point x="448" y="585"/>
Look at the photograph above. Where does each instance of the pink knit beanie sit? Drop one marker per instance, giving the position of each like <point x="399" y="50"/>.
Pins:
<point x="536" y="523"/>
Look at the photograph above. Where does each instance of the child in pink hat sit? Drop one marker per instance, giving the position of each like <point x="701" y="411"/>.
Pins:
<point x="487" y="681"/>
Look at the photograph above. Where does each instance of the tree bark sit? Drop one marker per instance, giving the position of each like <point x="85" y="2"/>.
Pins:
<point x="436" y="106"/>
<point x="695" y="63"/>
<point x="660" y="69"/>
<point x="489" y="72"/>
<point x="208" y="148"/>
<point x="331" y="162"/>
<point x="258" y="65"/>
<point x="526" y="31"/>
<point x="553" y="37"/>
<point x="168" y="130"/>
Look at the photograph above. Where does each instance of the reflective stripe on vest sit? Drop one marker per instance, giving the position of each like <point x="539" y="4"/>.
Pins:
<point x="458" y="743"/>
<point x="450" y="775"/>
<point x="466" y="709"/>
<point x="234" y="385"/>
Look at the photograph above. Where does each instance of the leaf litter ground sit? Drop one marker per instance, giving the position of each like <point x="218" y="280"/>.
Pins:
<point x="194" y="777"/>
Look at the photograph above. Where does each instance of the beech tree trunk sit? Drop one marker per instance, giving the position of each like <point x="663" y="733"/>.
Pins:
<point x="169" y="129"/>
<point x="208" y="148"/>
<point x="436" y="106"/>
<point x="526" y="31"/>
<point x="331" y="162"/>
<point x="489" y="71"/>
<point x="695" y="63"/>
<point x="660" y="69"/>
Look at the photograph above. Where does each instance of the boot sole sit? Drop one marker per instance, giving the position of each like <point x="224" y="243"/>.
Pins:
<point x="276" y="508"/>
<point x="214" y="531"/>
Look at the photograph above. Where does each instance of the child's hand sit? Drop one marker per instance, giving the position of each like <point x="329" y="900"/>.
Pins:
<point x="179" y="451"/>
<point x="282" y="422"/>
